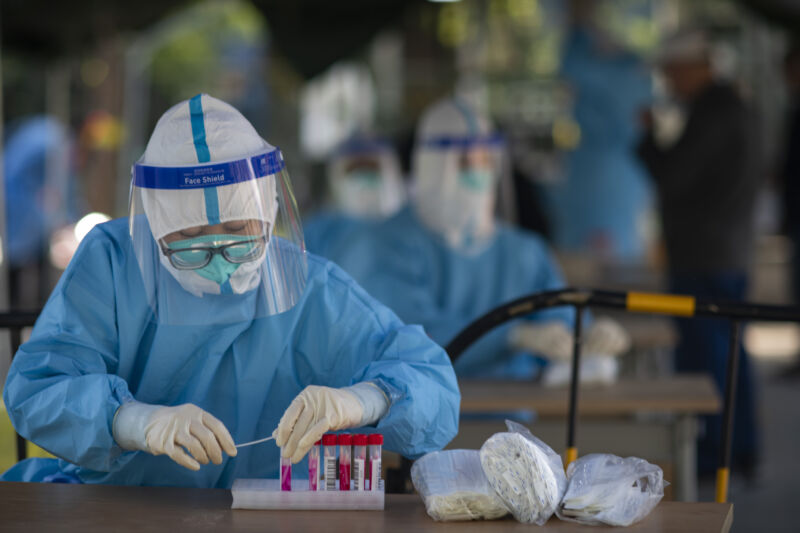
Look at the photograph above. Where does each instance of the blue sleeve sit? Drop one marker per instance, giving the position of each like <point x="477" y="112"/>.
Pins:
<point x="61" y="391"/>
<point x="365" y="341"/>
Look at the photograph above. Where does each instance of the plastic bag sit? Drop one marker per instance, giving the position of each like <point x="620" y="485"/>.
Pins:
<point x="453" y="486"/>
<point x="606" y="489"/>
<point x="526" y="473"/>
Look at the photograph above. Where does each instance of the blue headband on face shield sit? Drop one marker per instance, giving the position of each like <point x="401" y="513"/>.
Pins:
<point x="211" y="175"/>
<point x="445" y="142"/>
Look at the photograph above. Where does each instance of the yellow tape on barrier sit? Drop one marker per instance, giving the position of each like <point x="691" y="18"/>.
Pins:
<point x="723" y="475"/>
<point x="668" y="304"/>
<point x="572" y="455"/>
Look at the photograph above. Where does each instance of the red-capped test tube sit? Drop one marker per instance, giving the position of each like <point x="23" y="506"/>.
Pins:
<point x="375" y="442"/>
<point x="313" y="466"/>
<point x="345" y="441"/>
<point x="286" y="473"/>
<point x="359" y="462"/>
<point x="329" y="466"/>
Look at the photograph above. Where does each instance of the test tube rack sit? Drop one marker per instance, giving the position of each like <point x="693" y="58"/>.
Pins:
<point x="266" y="494"/>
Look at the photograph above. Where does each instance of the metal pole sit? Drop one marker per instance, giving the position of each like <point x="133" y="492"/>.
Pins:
<point x="723" y="471"/>
<point x="572" y="449"/>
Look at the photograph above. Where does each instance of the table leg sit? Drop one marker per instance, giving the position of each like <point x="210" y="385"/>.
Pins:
<point x="685" y="442"/>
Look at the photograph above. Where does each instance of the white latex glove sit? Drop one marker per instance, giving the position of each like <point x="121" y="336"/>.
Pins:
<point x="551" y="340"/>
<point x="595" y="369"/>
<point x="173" y="431"/>
<point x="317" y="410"/>
<point x="606" y="337"/>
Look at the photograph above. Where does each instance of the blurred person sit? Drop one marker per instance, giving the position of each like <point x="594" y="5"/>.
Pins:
<point x="707" y="191"/>
<point x="602" y="203"/>
<point x="366" y="186"/>
<point x="38" y="167"/>
<point x="790" y="173"/>
<point x="445" y="260"/>
<point x="199" y="319"/>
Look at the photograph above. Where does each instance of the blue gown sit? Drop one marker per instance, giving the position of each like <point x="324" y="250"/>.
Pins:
<point x="413" y="271"/>
<point x="606" y="191"/>
<point x="96" y="346"/>
<point x="327" y="231"/>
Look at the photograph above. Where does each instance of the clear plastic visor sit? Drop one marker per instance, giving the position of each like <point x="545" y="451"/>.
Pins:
<point x="217" y="243"/>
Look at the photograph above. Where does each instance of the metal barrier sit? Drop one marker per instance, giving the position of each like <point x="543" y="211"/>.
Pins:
<point x="635" y="302"/>
<point x="15" y="322"/>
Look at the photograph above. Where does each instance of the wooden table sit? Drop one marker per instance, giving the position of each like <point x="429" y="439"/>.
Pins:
<point x="31" y="507"/>
<point x="682" y="393"/>
<point x="653" y="419"/>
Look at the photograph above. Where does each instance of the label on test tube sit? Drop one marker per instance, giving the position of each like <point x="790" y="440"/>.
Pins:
<point x="313" y="467"/>
<point x="345" y="441"/>
<point x="286" y="473"/>
<point x="359" y="462"/>
<point x="375" y="442"/>
<point x="329" y="471"/>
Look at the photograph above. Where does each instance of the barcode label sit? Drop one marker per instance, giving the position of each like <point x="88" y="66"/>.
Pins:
<point x="358" y="475"/>
<point x="376" y="474"/>
<point x="330" y="473"/>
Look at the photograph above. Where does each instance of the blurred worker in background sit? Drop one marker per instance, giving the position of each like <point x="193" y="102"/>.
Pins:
<point x="198" y="320"/>
<point x="707" y="191"/>
<point x="39" y="167"/>
<point x="366" y="186"/>
<point x="446" y="260"/>
<point x="602" y="203"/>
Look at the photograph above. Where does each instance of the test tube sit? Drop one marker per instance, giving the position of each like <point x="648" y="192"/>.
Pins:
<point x="329" y="451"/>
<point x="345" y="441"/>
<point x="375" y="442"/>
<point x="359" y="462"/>
<point x="286" y="473"/>
<point x="313" y="466"/>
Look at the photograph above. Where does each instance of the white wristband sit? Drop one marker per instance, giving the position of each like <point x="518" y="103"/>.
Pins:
<point x="372" y="399"/>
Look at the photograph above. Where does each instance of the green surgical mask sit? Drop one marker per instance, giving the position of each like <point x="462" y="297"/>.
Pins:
<point x="365" y="178"/>
<point x="476" y="179"/>
<point x="219" y="269"/>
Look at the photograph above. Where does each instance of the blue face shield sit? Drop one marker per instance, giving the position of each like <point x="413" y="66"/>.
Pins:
<point x="217" y="267"/>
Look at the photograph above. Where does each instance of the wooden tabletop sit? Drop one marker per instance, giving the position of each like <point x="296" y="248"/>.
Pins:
<point x="682" y="393"/>
<point x="29" y="507"/>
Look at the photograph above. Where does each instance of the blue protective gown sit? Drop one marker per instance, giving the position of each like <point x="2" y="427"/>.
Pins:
<point x="29" y="219"/>
<point x="327" y="231"/>
<point x="413" y="271"/>
<point x="606" y="193"/>
<point x="96" y="346"/>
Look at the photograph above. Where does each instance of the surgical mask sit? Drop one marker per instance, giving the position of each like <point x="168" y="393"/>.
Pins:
<point x="367" y="179"/>
<point x="476" y="179"/>
<point x="223" y="263"/>
<point x="360" y="194"/>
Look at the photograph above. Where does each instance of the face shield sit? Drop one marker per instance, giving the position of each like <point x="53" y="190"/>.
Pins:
<point x="365" y="179"/>
<point x="457" y="164"/>
<point x="217" y="242"/>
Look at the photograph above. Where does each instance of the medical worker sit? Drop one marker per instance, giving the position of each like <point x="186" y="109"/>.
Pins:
<point x="199" y="322"/>
<point x="446" y="260"/>
<point x="602" y="204"/>
<point x="366" y="186"/>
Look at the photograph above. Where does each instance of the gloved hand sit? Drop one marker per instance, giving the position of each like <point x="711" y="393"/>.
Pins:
<point x="551" y="340"/>
<point x="595" y="369"/>
<point x="317" y="410"/>
<point x="168" y="430"/>
<point x="606" y="337"/>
